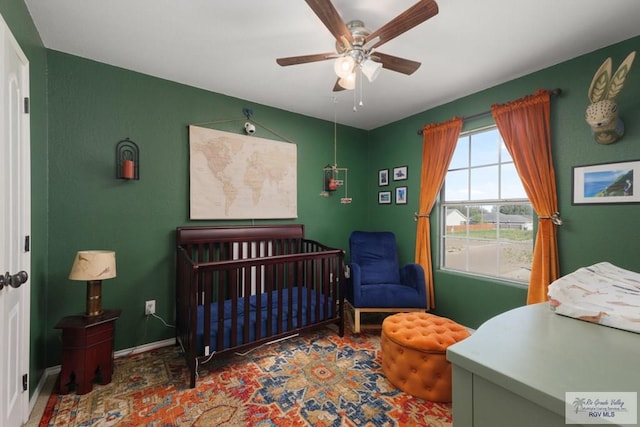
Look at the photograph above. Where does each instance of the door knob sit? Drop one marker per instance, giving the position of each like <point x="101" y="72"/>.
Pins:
<point x="14" y="280"/>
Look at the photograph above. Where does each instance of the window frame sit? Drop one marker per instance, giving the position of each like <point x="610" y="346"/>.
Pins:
<point x="444" y="205"/>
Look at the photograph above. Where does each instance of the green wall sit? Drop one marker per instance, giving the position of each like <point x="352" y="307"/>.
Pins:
<point x="93" y="106"/>
<point x="21" y="25"/>
<point x="80" y="109"/>
<point x="590" y="233"/>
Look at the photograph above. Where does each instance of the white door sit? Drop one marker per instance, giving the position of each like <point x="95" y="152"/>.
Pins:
<point x="14" y="231"/>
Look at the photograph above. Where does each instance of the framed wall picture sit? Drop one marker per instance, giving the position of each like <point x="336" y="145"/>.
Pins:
<point x="606" y="183"/>
<point x="383" y="177"/>
<point x="384" y="197"/>
<point x="400" y="173"/>
<point x="401" y="195"/>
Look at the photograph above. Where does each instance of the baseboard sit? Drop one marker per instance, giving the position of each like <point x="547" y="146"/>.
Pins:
<point x="40" y="388"/>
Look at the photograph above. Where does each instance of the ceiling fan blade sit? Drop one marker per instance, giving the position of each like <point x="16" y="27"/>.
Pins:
<point x="394" y="63"/>
<point x="330" y="18"/>
<point x="295" y="60"/>
<point x="337" y="87"/>
<point x="416" y="14"/>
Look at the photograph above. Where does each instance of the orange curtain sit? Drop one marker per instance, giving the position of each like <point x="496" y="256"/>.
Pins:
<point x="525" y="129"/>
<point x="439" y="143"/>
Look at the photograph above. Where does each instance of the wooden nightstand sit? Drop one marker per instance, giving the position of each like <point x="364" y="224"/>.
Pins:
<point x="87" y="351"/>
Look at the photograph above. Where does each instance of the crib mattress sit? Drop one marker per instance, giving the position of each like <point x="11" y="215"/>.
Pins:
<point x="601" y="293"/>
<point x="262" y="316"/>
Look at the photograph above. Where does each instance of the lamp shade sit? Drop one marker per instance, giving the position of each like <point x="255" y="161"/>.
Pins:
<point x="344" y="66"/>
<point x="371" y="69"/>
<point x="348" y="82"/>
<point x="93" y="265"/>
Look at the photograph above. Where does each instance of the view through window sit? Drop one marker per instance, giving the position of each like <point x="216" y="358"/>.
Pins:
<point x="486" y="217"/>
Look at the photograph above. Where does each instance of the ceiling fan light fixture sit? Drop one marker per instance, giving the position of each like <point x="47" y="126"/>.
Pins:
<point x="348" y="82"/>
<point x="354" y="43"/>
<point x="371" y="69"/>
<point x="344" y="66"/>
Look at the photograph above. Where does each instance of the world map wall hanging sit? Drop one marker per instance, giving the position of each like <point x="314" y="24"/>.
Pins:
<point x="235" y="176"/>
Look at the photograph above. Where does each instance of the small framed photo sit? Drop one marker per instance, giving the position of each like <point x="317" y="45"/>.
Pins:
<point x="400" y="173"/>
<point x="383" y="177"/>
<point x="401" y="195"/>
<point x="606" y="183"/>
<point x="384" y="197"/>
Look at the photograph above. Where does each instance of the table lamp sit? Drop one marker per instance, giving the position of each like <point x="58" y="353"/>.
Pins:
<point x="94" y="266"/>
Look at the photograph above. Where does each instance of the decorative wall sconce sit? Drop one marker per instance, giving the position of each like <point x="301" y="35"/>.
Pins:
<point x="127" y="160"/>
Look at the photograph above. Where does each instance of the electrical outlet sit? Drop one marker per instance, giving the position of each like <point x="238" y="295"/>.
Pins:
<point x="150" y="307"/>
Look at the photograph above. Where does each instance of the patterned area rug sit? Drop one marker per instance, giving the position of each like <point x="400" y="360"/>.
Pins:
<point x="317" y="379"/>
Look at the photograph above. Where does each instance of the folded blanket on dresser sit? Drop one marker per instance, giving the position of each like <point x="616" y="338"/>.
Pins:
<point x="601" y="293"/>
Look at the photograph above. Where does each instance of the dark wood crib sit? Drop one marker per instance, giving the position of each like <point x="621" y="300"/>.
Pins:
<point x="243" y="286"/>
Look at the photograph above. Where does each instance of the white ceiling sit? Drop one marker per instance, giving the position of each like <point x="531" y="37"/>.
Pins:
<point x="230" y="47"/>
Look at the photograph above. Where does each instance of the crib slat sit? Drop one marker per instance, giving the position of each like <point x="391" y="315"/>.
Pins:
<point x="279" y="284"/>
<point x="269" y="291"/>
<point x="260" y="285"/>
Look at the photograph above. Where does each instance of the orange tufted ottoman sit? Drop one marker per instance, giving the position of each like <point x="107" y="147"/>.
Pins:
<point x="413" y="349"/>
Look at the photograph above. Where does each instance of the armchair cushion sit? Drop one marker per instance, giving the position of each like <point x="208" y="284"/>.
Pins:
<point x="376" y="254"/>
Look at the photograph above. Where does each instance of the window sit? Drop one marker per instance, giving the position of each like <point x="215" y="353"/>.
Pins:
<point x="486" y="217"/>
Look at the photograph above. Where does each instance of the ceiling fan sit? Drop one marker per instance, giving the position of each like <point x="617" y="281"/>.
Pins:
<point x="355" y="45"/>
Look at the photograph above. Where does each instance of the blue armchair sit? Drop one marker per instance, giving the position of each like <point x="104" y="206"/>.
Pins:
<point x="376" y="281"/>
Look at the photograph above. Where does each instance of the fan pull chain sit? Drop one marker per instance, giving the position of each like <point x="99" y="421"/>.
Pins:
<point x="355" y="109"/>
<point x="335" y="132"/>
<point x="360" y="80"/>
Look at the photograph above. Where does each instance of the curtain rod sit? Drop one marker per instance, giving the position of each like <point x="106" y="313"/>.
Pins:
<point x="552" y="92"/>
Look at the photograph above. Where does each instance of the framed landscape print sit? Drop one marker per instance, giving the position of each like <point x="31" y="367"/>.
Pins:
<point x="384" y="197"/>
<point x="606" y="183"/>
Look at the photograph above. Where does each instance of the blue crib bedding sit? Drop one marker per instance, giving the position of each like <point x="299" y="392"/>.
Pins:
<point x="263" y="316"/>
